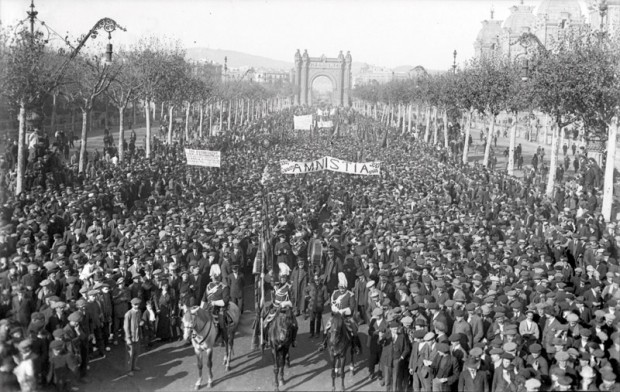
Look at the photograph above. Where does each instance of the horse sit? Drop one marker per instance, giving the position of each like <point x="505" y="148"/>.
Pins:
<point x="199" y="324"/>
<point x="280" y="334"/>
<point x="337" y="346"/>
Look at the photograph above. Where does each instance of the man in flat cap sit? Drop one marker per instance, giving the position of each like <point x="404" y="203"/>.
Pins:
<point x="445" y="369"/>
<point x="472" y="378"/>
<point x="132" y="327"/>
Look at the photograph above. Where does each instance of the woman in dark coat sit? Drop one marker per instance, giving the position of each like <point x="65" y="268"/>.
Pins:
<point x="164" y="307"/>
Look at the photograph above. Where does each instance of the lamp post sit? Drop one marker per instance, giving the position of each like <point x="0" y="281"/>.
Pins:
<point x="454" y="61"/>
<point x="528" y="40"/>
<point x="28" y="99"/>
<point x="106" y="24"/>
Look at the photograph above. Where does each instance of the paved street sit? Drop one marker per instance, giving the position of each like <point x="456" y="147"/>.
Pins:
<point x="172" y="367"/>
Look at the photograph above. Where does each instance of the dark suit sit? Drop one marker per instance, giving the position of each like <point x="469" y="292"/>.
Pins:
<point x="21" y="310"/>
<point x="415" y="365"/>
<point x="388" y="290"/>
<point x="374" y="347"/>
<point x="394" y="358"/>
<point x="236" y="285"/>
<point x="477" y="328"/>
<point x="478" y="384"/>
<point x="444" y="367"/>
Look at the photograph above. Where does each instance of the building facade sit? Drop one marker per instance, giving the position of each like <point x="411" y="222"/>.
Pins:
<point x="207" y="70"/>
<point x="549" y="21"/>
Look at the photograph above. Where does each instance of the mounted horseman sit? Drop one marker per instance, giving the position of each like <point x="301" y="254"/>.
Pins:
<point x="343" y="303"/>
<point x="216" y="298"/>
<point x="282" y="294"/>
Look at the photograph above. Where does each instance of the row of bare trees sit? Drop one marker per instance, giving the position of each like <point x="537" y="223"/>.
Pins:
<point x="153" y="73"/>
<point x="574" y="82"/>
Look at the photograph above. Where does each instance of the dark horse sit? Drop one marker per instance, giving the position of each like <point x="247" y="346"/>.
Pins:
<point x="337" y="346"/>
<point x="281" y="337"/>
<point x="200" y="325"/>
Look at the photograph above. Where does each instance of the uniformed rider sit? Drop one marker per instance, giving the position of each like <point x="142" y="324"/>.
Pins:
<point x="343" y="302"/>
<point x="281" y="302"/>
<point x="216" y="297"/>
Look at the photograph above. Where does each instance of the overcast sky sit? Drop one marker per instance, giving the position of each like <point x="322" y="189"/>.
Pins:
<point x="381" y="32"/>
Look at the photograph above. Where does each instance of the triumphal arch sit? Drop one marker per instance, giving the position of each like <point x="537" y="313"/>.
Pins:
<point x="337" y="70"/>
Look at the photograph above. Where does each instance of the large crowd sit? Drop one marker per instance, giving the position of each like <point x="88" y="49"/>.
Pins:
<point x="468" y="279"/>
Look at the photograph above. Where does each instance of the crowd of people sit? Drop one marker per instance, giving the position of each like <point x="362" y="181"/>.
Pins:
<point x="468" y="279"/>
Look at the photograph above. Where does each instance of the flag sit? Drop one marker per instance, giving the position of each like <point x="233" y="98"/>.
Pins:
<point x="266" y="177"/>
<point x="384" y="142"/>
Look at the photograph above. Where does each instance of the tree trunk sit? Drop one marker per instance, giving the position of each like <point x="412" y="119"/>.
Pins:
<point x="73" y="120"/>
<point x="91" y="119"/>
<point x="189" y="105"/>
<point x="161" y="114"/>
<point x="134" y="118"/>
<point x="404" y="122"/>
<point x="547" y="128"/>
<point x="229" y="114"/>
<point x="105" y="116"/>
<point x="511" y="149"/>
<point x="242" y="112"/>
<point x="54" y="109"/>
<point x="409" y="119"/>
<point x="435" y="125"/>
<point x="467" y="136"/>
<point x="236" y="112"/>
<point x="427" y="132"/>
<point x="84" y="139"/>
<point x="608" y="187"/>
<point x="221" y="115"/>
<point x="487" y="150"/>
<point x="210" y="119"/>
<point x="445" y="129"/>
<point x="121" y="133"/>
<point x="147" y="108"/>
<point x="375" y="112"/>
<point x="202" y="111"/>
<point x="170" y="114"/>
<point x="554" y="160"/>
<point x="417" y="121"/>
<point x="21" y="150"/>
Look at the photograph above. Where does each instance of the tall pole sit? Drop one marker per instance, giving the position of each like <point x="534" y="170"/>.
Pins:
<point x="32" y="15"/>
<point x="454" y="62"/>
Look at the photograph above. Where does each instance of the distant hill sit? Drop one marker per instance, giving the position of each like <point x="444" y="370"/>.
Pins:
<point x="407" y="68"/>
<point x="237" y="59"/>
<point x="240" y="59"/>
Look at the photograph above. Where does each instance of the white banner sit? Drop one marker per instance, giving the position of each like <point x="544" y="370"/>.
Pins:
<point x="331" y="164"/>
<point x="203" y="158"/>
<point x="303" y="123"/>
<point x="326" y="124"/>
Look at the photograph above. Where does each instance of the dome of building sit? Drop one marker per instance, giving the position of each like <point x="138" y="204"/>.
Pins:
<point x="520" y="20"/>
<point x="556" y="9"/>
<point x="491" y="30"/>
<point x="594" y="3"/>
